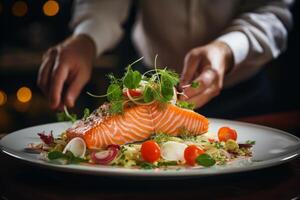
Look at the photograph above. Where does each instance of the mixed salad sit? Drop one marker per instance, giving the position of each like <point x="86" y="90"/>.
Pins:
<point x="159" y="151"/>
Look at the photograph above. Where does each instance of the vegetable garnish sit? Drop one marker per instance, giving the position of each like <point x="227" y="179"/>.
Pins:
<point x="191" y="153"/>
<point x="205" y="160"/>
<point x="226" y="133"/>
<point x="150" y="151"/>
<point x="46" y="138"/>
<point x="66" y="116"/>
<point x="69" y="157"/>
<point x="157" y="84"/>
<point x="178" y="147"/>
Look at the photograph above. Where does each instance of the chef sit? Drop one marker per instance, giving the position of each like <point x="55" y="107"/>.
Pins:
<point x="223" y="45"/>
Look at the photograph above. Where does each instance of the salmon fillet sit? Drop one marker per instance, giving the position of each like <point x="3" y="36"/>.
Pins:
<point x="138" y="123"/>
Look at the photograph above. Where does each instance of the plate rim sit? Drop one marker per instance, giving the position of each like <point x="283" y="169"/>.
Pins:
<point x="157" y="174"/>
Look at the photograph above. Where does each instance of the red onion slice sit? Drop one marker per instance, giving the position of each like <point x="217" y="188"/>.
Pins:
<point x="106" y="156"/>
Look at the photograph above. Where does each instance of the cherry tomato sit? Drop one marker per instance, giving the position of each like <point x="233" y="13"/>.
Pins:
<point x="226" y="133"/>
<point x="132" y="92"/>
<point x="191" y="153"/>
<point x="150" y="151"/>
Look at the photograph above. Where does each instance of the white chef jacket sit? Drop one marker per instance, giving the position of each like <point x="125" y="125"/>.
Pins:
<point x="255" y="30"/>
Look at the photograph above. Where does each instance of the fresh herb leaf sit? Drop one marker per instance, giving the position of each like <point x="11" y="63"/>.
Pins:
<point x="205" y="160"/>
<point x="55" y="155"/>
<point x="132" y="78"/>
<point x="147" y="165"/>
<point x="195" y="84"/>
<point x="73" y="159"/>
<point x="167" y="90"/>
<point x="86" y="113"/>
<point x="168" y="80"/>
<point x="114" y="92"/>
<point x="116" y="107"/>
<point x="185" y="104"/>
<point x="252" y="142"/>
<point x="167" y="163"/>
<point x="66" y="116"/>
<point x="161" y="137"/>
<point x="148" y="94"/>
<point x="69" y="156"/>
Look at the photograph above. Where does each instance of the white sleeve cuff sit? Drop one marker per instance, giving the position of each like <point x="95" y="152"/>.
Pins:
<point x="104" y="34"/>
<point x="239" y="44"/>
<point x="89" y="28"/>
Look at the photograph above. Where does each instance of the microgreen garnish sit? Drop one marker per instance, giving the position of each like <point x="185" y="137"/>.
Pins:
<point x="132" y="78"/>
<point x="66" y="116"/>
<point x="86" y="113"/>
<point x="185" y="104"/>
<point x="154" y="85"/>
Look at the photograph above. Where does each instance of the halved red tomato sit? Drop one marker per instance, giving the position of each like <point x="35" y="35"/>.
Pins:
<point x="226" y="133"/>
<point x="132" y="92"/>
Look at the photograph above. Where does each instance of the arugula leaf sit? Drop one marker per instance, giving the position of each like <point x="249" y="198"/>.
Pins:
<point x="195" y="84"/>
<point x="185" y="104"/>
<point x="205" y="160"/>
<point x="132" y="78"/>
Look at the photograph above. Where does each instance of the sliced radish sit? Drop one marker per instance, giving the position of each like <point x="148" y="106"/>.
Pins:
<point x="77" y="146"/>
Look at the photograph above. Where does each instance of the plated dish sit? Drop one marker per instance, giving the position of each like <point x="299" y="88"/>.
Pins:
<point x="143" y="126"/>
<point x="273" y="147"/>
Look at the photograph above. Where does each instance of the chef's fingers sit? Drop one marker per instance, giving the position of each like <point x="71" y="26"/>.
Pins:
<point x="45" y="70"/>
<point x="205" y="96"/>
<point x="74" y="89"/>
<point x="191" y="63"/>
<point x="60" y="74"/>
<point x="206" y="79"/>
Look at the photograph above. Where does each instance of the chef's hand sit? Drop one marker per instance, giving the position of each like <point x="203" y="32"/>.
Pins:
<point x="206" y="65"/>
<point x="66" y="68"/>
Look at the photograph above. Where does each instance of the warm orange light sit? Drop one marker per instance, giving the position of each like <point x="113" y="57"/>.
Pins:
<point x="3" y="97"/>
<point x="19" y="8"/>
<point x="50" y="8"/>
<point x="24" y="94"/>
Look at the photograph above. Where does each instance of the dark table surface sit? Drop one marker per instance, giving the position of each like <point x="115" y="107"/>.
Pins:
<point x="22" y="181"/>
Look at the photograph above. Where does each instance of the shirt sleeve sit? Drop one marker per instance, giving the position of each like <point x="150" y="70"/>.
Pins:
<point x="101" y="20"/>
<point x="258" y="36"/>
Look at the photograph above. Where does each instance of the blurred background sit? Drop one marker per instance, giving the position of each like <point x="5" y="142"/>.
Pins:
<point x="30" y="27"/>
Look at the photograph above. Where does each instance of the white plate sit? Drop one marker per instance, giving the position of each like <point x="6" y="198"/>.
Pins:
<point x="272" y="147"/>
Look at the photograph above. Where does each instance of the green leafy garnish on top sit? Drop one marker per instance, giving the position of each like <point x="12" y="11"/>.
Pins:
<point x="155" y="85"/>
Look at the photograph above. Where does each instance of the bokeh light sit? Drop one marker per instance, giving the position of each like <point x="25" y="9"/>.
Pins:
<point x="24" y="94"/>
<point x="3" y="97"/>
<point x="19" y="8"/>
<point x="50" y="8"/>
